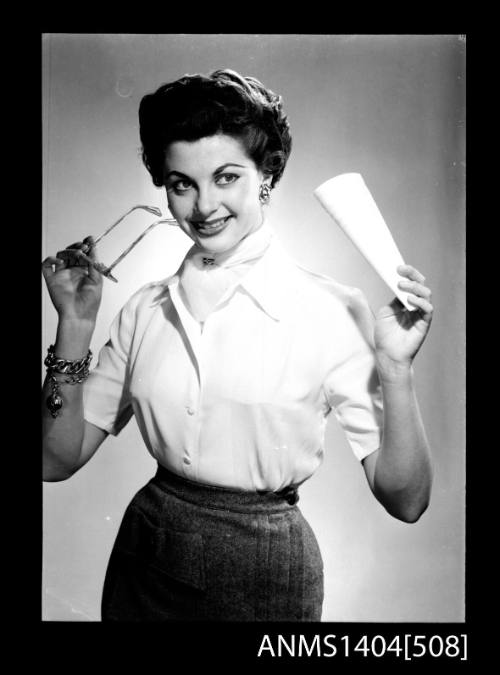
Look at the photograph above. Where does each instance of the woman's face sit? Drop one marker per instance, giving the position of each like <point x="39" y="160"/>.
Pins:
<point x="213" y="191"/>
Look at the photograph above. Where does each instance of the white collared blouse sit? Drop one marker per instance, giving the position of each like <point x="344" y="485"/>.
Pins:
<point x="243" y="400"/>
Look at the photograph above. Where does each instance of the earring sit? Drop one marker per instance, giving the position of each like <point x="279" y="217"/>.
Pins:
<point x="264" y="193"/>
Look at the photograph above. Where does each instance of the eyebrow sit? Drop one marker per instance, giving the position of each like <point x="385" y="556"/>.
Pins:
<point x="218" y="170"/>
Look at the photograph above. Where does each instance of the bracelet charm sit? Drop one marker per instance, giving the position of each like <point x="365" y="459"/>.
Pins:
<point x="54" y="403"/>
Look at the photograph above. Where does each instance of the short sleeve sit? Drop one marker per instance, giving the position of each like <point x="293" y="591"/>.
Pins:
<point x="352" y="386"/>
<point x="106" y="398"/>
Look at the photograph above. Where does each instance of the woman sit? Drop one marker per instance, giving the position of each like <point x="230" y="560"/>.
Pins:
<point x="231" y="367"/>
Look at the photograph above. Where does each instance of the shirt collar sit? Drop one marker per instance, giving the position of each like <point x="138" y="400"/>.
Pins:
<point x="269" y="282"/>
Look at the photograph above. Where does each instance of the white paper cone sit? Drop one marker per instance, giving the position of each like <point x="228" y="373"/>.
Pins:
<point x="350" y="203"/>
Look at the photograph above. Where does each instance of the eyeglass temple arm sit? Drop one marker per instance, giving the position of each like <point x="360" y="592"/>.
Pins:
<point x="100" y="267"/>
<point x="152" y="209"/>
<point x="170" y="221"/>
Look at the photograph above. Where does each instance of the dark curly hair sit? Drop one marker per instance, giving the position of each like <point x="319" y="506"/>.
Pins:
<point x="196" y="106"/>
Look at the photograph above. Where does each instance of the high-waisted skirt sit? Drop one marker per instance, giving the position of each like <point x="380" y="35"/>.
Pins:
<point x="195" y="552"/>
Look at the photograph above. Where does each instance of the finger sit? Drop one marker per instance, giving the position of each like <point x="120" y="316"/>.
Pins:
<point x="91" y="252"/>
<point x="411" y="273"/>
<point x="415" y="288"/>
<point x="94" y="275"/>
<point x="71" y="257"/>
<point x="89" y="247"/>
<point x="72" y="260"/>
<point x="92" y="270"/>
<point x="91" y="264"/>
<point x="424" y="305"/>
<point x="86" y="245"/>
<point x="51" y="265"/>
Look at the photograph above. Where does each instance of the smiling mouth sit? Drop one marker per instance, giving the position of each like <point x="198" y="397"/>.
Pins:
<point x="209" y="227"/>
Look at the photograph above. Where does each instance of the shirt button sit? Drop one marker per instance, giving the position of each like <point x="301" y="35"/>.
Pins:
<point x="186" y="460"/>
<point x="190" y="411"/>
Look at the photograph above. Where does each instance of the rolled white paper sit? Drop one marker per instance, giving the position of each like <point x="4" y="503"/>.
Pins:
<point x="349" y="202"/>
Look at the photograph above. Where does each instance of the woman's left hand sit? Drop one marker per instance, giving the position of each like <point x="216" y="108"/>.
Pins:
<point x="399" y="333"/>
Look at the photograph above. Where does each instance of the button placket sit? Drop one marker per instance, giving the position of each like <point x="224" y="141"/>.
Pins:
<point x="192" y="435"/>
<point x="192" y="407"/>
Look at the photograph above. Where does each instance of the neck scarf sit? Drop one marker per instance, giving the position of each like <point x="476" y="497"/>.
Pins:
<point x="204" y="278"/>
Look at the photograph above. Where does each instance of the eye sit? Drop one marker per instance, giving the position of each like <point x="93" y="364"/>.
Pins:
<point x="226" y="178"/>
<point x="180" y="186"/>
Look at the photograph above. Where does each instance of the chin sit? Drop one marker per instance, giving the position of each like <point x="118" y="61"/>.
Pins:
<point x="218" y="244"/>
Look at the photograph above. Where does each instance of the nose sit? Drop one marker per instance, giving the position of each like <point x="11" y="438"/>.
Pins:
<point x="207" y="201"/>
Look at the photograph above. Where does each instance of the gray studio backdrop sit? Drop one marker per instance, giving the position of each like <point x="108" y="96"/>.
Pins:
<point x="389" y="107"/>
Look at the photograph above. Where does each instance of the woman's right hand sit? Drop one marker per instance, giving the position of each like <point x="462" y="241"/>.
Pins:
<point x="75" y="291"/>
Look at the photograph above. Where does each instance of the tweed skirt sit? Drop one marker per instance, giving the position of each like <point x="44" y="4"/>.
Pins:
<point x="186" y="551"/>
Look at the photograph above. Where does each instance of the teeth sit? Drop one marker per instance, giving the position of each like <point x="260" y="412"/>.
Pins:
<point x="209" y="226"/>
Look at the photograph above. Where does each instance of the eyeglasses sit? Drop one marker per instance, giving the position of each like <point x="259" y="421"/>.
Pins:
<point x="76" y="256"/>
